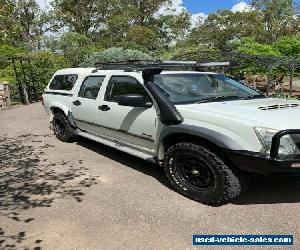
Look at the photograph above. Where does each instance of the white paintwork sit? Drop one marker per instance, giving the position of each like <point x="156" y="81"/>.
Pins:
<point x="119" y="146"/>
<point x="138" y="121"/>
<point x="234" y="119"/>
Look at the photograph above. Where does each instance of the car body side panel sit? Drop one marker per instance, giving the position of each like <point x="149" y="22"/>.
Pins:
<point x="221" y="140"/>
<point x="56" y="101"/>
<point x="136" y="126"/>
<point x="62" y="99"/>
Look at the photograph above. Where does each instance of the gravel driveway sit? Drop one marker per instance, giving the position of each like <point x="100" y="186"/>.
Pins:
<point x="84" y="195"/>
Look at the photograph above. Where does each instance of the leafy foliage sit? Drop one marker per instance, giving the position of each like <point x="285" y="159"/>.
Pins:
<point x="44" y="65"/>
<point x="8" y="28"/>
<point x="278" y="17"/>
<point x="114" y="55"/>
<point x="82" y="16"/>
<point x="73" y="46"/>
<point x="250" y="46"/>
<point x="288" y="46"/>
<point x="222" y="28"/>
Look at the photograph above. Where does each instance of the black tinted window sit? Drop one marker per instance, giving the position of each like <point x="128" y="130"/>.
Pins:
<point x="63" y="82"/>
<point x="123" y="85"/>
<point x="90" y="87"/>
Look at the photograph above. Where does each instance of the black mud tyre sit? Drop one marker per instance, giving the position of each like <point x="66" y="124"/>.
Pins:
<point x="201" y="175"/>
<point x="62" y="128"/>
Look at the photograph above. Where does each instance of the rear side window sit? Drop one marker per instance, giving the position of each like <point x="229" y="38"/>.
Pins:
<point x="90" y="87"/>
<point x="123" y="85"/>
<point x="63" y="82"/>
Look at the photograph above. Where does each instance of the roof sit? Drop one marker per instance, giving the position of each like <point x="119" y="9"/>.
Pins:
<point x="165" y="72"/>
<point x="75" y="71"/>
<point x="186" y="72"/>
<point x="147" y="67"/>
<point x="84" y="71"/>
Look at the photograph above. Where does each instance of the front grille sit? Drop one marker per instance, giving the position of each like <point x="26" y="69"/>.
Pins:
<point x="281" y="106"/>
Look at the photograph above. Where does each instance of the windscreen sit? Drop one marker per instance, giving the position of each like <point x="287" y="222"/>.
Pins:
<point x="193" y="88"/>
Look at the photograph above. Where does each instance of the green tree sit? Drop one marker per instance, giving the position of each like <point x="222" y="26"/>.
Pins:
<point x="44" y="65"/>
<point x="288" y="46"/>
<point x="6" y="69"/>
<point x="125" y="23"/>
<point x="23" y="24"/>
<point x="9" y="28"/>
<point x="172" y="29"/>
<point x="26" y="13"/>
<point x="114" y="55"/>
<point x="142" y="12"/>
<point x="278" y="17"/>
<point x="224" y="27"/>
<point x="251" y="47"/>
<point x="133" y="24"/>
<point x="83" y="16"/>
<point x="73" y="46"/>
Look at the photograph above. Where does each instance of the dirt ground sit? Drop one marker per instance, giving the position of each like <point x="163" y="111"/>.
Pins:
<point x="84" y="195"/>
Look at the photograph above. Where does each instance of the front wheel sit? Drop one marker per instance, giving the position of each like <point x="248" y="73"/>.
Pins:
<point x="199" y="174"/>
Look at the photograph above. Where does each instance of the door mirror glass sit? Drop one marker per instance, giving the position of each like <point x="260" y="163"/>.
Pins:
<point x="134" y="100"/>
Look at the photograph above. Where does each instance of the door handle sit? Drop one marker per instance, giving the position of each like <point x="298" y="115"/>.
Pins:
<point x="104" y="108"/>
<point x="77" y="103"/>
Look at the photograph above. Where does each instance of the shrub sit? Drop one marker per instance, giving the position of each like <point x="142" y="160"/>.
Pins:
<point x="114" y="55"/>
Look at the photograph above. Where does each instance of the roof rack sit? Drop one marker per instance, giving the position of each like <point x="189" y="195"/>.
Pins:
<point x="140" y="65"/>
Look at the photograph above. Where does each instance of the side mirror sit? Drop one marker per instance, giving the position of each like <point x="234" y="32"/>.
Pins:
<point x="133" y="100"/>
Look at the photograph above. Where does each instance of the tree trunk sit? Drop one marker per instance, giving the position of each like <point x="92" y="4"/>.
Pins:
<point x="291" y="81"/>
<point x="24" y="94"/>
<point x="7" y="94"/>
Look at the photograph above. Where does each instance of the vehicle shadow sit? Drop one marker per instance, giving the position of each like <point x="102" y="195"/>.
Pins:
<point x="262" y="190"/>
<point x="128" y="160"/>
<point x="28" y="180"/>
<point x="271" y="190"/>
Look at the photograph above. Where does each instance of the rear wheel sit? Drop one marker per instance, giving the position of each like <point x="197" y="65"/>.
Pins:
<point x="62" y="128"/>
<point x="201" y="175"/>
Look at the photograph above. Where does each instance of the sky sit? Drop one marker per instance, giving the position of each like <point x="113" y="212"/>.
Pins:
<point x="196" y="6"/>
<point x="199" y="7"/>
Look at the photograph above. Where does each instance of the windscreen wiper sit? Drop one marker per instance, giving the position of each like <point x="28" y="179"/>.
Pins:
<point x="221" y="98"/>
<point x="253" y="97"/>
<point x="230" y="97"/>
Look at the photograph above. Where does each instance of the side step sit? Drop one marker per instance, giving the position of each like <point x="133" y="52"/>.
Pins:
<point x="119" y="146"/>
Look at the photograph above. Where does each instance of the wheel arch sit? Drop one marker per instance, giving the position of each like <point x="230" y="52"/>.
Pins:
<point x="57" y="108"/>
<point x="202" y="136"/>
<point x="65" y="112"/>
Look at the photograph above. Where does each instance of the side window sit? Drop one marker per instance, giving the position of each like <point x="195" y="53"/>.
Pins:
<point x="63" y="82"/>
<point x="123" y="85"/>
<point x="90" y="87"/>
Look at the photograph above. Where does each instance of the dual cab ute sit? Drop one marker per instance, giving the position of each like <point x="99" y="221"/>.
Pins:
<point x="206" y="130"/>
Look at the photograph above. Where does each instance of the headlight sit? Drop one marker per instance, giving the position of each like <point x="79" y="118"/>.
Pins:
<point x="265" y="135"/>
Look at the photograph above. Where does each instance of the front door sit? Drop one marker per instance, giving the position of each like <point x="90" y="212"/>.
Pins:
<point x="129" y="126"/>
<point x="85" y="104"/>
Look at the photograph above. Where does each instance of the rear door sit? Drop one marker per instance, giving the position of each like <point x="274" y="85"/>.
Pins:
<point x="84" y="104"/>
<point x="129" y="126"/>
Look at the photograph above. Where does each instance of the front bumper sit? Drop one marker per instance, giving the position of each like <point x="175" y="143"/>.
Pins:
<point x="256" y="163"/>
<point x="262" y="164"/>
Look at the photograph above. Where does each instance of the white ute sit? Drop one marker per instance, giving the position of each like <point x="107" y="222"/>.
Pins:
<point x="206" y="130"/>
